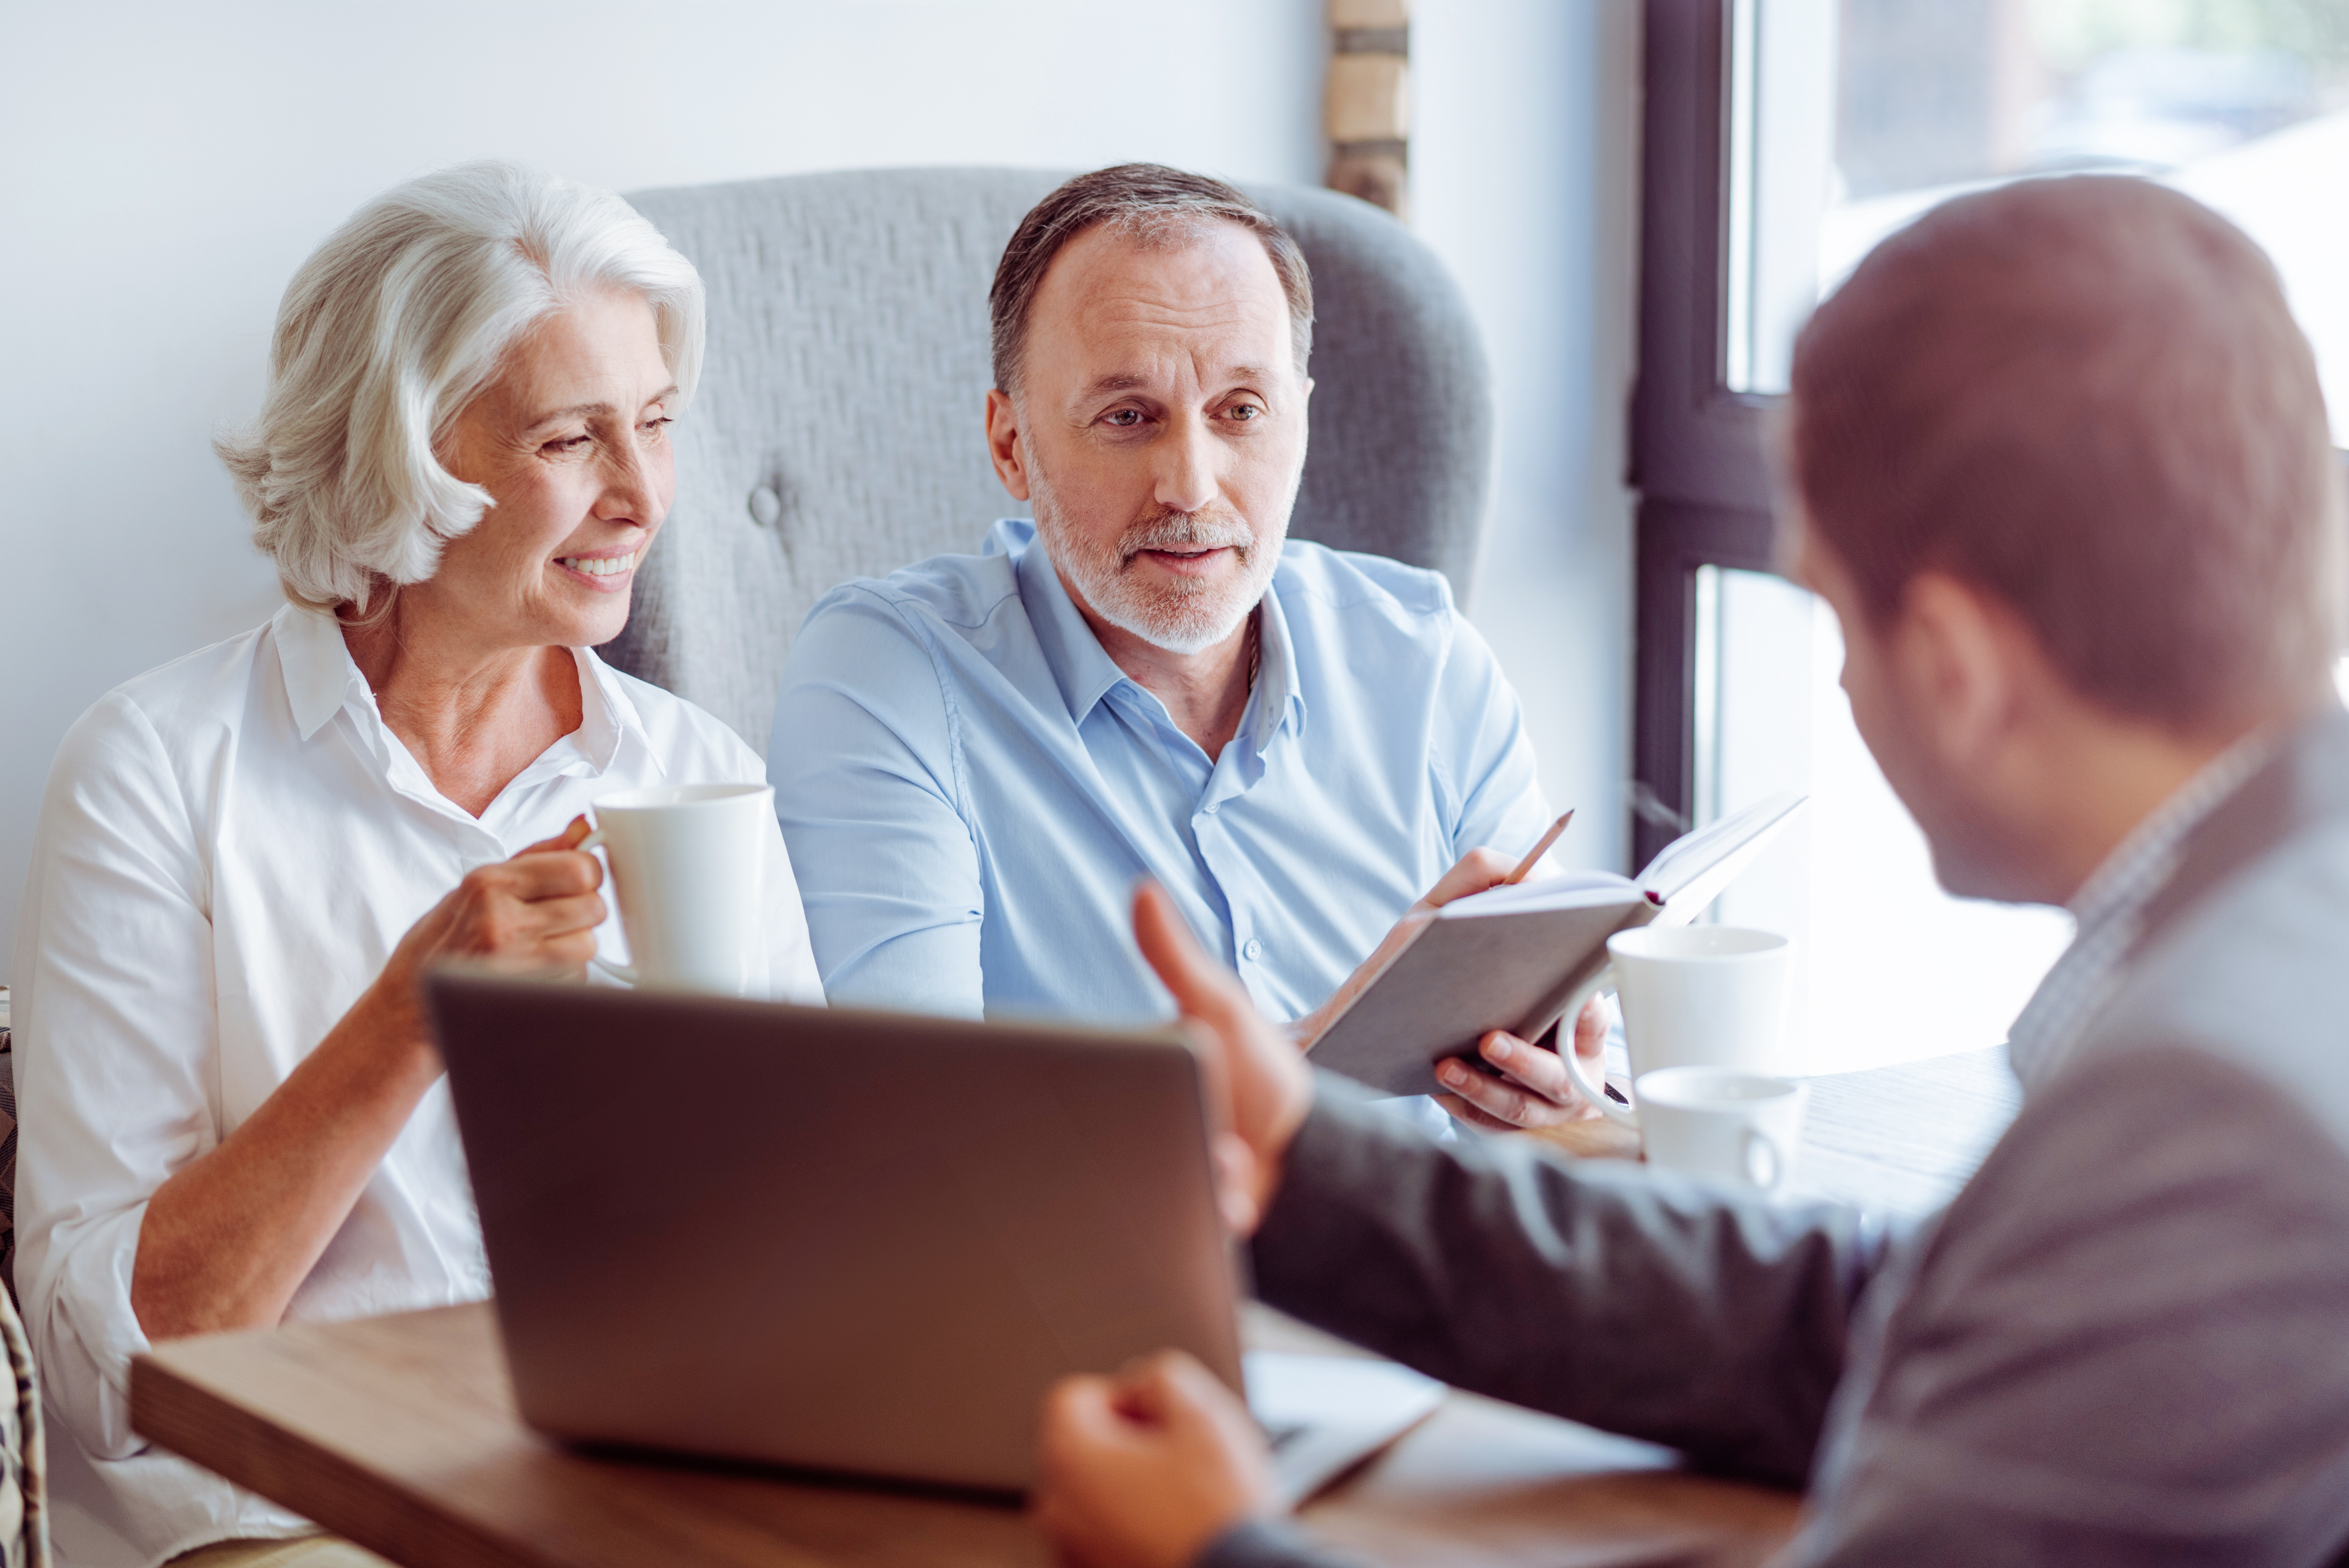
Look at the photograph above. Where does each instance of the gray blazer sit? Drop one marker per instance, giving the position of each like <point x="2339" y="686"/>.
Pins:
<point x="2125" y="1341"/>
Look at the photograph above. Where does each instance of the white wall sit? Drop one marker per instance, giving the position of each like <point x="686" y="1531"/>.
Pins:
<point x="1525" y="177"/>
<point x="164" y="168"/>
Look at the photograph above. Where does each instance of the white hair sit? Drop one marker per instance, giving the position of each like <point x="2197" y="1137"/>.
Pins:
<point x="394" y="325"/>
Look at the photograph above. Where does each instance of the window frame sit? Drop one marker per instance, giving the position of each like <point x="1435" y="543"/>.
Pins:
<point x="1698" y="459"/>
<point x="1698" y="462"/>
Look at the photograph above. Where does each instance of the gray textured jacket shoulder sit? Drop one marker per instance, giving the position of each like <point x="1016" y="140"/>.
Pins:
<point x="2127" y="1341"/>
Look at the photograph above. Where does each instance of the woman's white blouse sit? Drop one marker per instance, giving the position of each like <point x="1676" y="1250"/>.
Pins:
<point x="230" y="847"/>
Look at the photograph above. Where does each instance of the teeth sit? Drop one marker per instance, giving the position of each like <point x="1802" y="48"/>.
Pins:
<point x="600" y="565"/>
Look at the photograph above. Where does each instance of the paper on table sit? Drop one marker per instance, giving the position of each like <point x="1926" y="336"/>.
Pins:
<point x="1327" y="1413"/>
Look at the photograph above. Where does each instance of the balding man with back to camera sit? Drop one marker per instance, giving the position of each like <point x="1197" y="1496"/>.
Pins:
<point x="2060" y="464"/>
<point x="976" y="757"/>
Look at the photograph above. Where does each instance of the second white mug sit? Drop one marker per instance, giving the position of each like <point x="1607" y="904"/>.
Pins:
<point x="686" y="862"/>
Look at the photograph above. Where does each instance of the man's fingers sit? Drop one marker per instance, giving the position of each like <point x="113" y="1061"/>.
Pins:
<point x="1536" y="1091"/>
<point x="1237" y="1184"/>
<point x="1201" y="987"/>
<point x="1077" y="1406"/>
<point x="1471" y="873"/>
<point x="1590" y="1027"/>
<point x="1144" y="1389"/>
<point x="1172" y="1388"/>
<point x="1511" y="1105"/>
<point x="1540" y="1070"/>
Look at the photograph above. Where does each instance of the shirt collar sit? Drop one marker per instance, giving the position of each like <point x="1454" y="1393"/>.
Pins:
<point x="607" y="716"/>
<point x="321" y="678"/>
<point x="1081" y="666"/>
<point x="1279" y="697"/>
<point x="2110" y="906"/>
<point x="1082" y="669"/>
<point x="2141" y="862"/>
<point x="320" y="674"/>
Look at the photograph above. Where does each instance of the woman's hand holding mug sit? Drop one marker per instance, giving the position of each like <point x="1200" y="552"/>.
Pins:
<point x="533" y="914"/>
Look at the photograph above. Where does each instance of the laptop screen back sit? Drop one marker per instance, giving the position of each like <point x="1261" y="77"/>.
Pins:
<point x="853" y="1241"/>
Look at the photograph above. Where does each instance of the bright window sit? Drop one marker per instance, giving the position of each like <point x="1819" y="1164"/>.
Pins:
<point x="1846" y="121"/>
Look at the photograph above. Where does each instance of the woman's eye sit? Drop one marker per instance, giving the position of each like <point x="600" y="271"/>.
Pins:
<point x="654" y="427"/>
<point x="567" y="444"/>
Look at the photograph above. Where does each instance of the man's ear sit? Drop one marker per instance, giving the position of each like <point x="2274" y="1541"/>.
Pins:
<point x="1003" y="444"/>
<point x="1961" y="658"/>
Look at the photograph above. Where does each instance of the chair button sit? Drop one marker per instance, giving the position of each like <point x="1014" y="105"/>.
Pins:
<point x="766" y="507"/>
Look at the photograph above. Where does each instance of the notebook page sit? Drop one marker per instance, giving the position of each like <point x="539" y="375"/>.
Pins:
<point x="1690" y="873"/>
<point x="1566" y="890"/>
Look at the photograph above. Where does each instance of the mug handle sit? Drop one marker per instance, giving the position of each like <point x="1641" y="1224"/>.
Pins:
<point x="1766" y="1163"/>
<point x="626" y="974"/>
<point x="1615" y="1111"/>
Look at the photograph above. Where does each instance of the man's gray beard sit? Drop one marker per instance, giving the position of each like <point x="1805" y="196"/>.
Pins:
<point x="1184" y="616"/>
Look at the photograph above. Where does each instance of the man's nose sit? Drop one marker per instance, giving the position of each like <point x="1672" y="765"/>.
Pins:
<point x="1187" y="480"/>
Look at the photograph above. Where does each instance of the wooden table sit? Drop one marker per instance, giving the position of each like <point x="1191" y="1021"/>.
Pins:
<point x="401" y="1432"/>
<point x="1902" y="1140"/>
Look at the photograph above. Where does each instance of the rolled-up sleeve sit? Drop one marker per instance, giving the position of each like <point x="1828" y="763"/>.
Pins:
<point x="115" y="1043"/>
<point x="863" y="763"/>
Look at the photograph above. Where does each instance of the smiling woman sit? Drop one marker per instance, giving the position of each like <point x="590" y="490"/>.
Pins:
<point x="233" y="1112"/>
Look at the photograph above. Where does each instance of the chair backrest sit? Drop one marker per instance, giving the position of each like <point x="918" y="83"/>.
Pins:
<point x="838" y="428"/>
<point x="23" y="1459"/>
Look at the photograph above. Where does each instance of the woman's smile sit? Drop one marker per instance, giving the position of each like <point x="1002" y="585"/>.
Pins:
<point x="608" y="572"/>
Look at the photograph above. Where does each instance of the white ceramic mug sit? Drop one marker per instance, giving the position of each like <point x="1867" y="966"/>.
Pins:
<point x="686" y="866"/>
<point x="1692" y="996"/>
<point x="1722" y="1122"/>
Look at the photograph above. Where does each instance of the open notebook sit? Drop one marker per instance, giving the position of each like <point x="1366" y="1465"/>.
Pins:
<point x="1513" y="957"/>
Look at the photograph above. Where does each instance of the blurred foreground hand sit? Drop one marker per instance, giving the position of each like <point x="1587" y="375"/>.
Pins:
<point x="1145" y="1468"/>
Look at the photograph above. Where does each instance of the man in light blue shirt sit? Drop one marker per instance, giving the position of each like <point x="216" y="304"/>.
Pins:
<point x="976" y="758"/>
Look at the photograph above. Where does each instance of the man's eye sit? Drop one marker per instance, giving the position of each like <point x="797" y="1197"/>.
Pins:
<point x="1126" y="419"/>
<point x="1243" y="410"/>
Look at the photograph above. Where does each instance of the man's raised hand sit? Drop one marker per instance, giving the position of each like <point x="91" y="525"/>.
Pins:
<point x="1259" y="1087"/>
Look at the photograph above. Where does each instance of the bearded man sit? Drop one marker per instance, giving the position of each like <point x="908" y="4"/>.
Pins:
<point x="976" y="758"/>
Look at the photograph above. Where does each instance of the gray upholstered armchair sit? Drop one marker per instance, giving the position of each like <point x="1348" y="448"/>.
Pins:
<point x="838" y="429"/>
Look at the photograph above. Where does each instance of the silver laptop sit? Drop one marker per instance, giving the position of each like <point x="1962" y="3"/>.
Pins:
<point x="850" y="1240"/>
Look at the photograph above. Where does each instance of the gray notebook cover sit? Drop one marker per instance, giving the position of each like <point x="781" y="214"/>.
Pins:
<point x="1518" y="969"/>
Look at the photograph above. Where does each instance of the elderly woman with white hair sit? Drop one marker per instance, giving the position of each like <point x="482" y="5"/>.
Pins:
<point x="233" y="1111"/>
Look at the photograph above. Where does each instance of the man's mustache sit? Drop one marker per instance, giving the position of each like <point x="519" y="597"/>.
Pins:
<point x="1185" y="531"/>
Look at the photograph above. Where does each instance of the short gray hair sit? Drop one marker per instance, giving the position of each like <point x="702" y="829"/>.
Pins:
<point x="1152" y="205"/>
<point x="394" y="325"/>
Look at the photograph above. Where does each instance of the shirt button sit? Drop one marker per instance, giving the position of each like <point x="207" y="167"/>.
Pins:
<point x="1253" y="951"/>
<point x="1209" y="807"/>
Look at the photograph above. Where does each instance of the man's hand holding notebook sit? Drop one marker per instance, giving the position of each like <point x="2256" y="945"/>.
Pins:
<point x="1514" y="957"/>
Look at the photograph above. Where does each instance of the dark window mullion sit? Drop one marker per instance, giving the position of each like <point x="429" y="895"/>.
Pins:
<point x="1697" y="455"/>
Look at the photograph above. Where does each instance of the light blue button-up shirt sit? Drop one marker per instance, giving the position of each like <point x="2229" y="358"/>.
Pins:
<point x="970" y="786"/>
